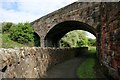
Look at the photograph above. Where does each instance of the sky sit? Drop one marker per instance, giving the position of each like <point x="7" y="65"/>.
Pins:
<point x="29" y="10"/>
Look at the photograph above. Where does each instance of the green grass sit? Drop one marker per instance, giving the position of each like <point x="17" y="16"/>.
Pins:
<point x="8" y="43"/>
<point x="86" y="69"/>
<point x="0" y="40"/>
<point x="92" y="49"/>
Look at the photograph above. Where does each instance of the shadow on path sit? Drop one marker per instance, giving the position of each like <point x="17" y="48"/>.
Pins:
<point x="66" y="69"/>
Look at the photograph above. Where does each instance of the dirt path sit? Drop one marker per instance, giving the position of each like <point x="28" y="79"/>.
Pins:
<point x="66" y="69"/>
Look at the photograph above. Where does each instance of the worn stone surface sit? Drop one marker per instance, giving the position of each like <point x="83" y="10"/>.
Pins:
<point x="32" y="62"/>
<point x="110" y="37"/>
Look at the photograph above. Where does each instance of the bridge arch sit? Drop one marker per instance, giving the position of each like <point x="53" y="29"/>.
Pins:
<point x="59" y="30"/>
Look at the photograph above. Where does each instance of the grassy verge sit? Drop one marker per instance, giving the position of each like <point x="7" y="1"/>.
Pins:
<point x="92" y="49"/>
<point x="8" y="43"/>
<point x="86" y="69"/>
<point x="0" y="40"/>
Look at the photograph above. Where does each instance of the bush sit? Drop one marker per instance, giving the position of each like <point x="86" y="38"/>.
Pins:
<point x="76" y="38"/>
<point x="6" y="27"/>
<point x="22" y="33"/>
<point x="91" y="42"/>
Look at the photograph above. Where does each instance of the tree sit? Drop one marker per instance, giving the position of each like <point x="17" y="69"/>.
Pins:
<point x="22" y="33"/>
<point x="91" y="42"/>
<point x="6" y="26"/>
<point x="75" y="38"/>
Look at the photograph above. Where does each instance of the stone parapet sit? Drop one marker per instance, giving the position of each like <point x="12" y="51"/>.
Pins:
<point x="32" y="62"/>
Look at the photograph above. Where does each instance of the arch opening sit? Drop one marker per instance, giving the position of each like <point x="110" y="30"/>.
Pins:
<point x="77" y="38"/>
<point x="58" y="31"/>
<point x="36" y="40"/>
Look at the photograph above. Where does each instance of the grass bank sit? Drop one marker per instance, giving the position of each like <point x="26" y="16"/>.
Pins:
<point x="86" y="69"/>
<point x="8" y="43"/>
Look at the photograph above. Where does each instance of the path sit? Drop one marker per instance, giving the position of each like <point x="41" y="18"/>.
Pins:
<point x="66" y="69"/>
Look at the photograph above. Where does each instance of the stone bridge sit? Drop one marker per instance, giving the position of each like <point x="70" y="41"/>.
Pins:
<point x="77" y="16"/>
<point x="101" y="19"/>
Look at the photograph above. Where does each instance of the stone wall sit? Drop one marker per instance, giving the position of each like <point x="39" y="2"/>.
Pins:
<point x="32" y="62"/>
<point x="109" y="38"/>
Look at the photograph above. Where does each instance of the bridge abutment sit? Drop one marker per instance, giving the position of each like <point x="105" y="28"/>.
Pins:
<point x="109" y="39"/>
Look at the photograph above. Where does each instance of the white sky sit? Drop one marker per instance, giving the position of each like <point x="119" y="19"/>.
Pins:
<point x="29" y="10"/>
<point x="89" y="35"/>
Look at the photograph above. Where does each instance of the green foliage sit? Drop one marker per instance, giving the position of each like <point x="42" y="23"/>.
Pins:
<point x="8" y="43"/>
<point x="0" y="28"/>
<point x="75" y="38"/>
<point x="22" y="33"/>
<point x="0" y="40"/>
<point x="92" y="49"/>
<point x="6" y="27"/>
<point x="91" y="42"/>
<point x="18" y="35"/>
<point x="87" y="67"/>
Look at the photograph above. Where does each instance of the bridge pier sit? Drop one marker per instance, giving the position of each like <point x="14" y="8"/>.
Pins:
<point x="42" y="42"/>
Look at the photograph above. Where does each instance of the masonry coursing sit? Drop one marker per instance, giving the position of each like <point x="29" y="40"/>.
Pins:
<point x="32" y="62"/>
<point x="103" y="17"/>
<point x="83" y="12"/>
<point x="110" y="38"/>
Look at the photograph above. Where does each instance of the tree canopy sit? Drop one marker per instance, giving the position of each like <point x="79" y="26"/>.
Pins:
<point x="91" y="42"/>
<point x="76" y="38"/>
<point x="6" y="26"/>
<point x="22" y="33"/>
